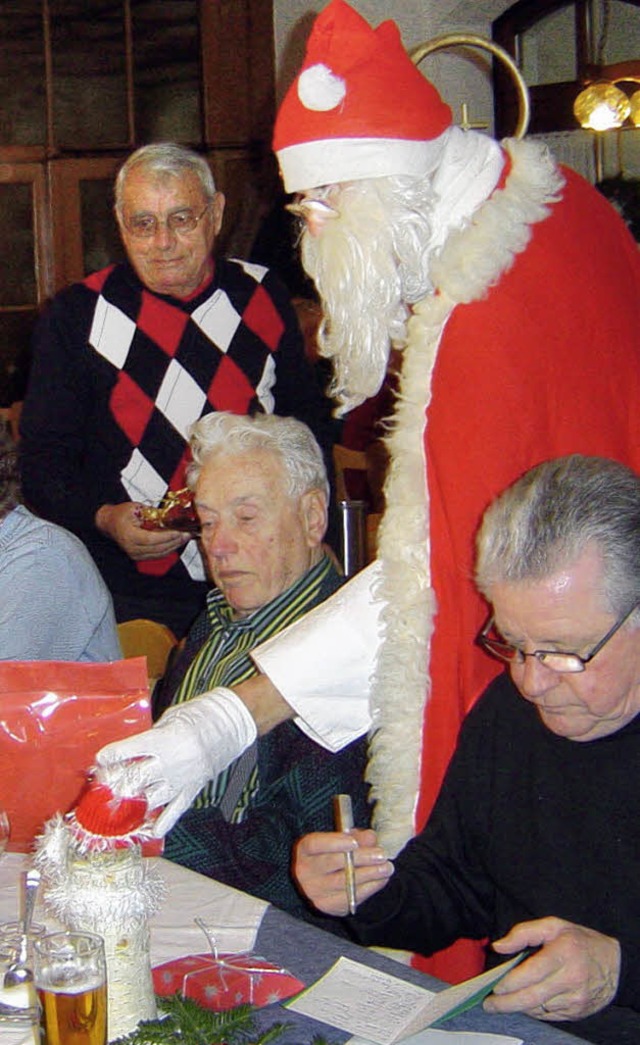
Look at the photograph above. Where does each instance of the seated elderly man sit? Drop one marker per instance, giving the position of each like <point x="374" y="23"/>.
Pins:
<point x="261" y="493"/>
<point x="535" y="836"/>
<point x="54" y="604"/>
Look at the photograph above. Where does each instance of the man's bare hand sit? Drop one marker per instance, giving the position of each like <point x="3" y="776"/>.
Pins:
<point x="319" y="868"/>
<point x="574" y="974"/>
<point x="121" y="522"/>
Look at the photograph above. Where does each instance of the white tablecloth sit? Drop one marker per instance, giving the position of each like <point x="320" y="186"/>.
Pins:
<point x="173" y="930"/>
<point x="298" y="946"/>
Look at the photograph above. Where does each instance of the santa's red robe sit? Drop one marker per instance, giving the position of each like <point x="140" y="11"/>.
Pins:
<point x="543" y="360"/>
<point x="529" y="348"/>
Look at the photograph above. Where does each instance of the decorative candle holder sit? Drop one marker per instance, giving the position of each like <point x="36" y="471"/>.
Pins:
<point x="109" y="891"/>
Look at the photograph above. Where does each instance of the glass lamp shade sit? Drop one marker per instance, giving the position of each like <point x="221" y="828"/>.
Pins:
<point x="634" y="103"/>
<point x="601" y="106"/>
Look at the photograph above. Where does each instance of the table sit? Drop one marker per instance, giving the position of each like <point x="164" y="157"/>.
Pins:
<point x="303" y="949"/>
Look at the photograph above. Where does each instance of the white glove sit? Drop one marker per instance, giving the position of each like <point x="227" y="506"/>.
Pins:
<point x="170" y="763"/>
<point x="322" y="663"/>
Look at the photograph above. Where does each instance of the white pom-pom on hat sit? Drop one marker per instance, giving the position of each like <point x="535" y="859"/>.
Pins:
<point x="319" y="89"/>
<point x="359" y="108"/>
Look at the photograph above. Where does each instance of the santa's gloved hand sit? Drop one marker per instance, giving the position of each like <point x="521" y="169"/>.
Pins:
<point x="170" y="763"/>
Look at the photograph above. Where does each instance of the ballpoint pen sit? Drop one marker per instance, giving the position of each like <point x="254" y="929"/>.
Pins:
<point x="343" y="818"/>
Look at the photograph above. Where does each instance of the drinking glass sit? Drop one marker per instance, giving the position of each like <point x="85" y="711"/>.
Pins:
<point x="5" y="830"/>
<point x="11" y="934"/>
<point x="70" y="976"/>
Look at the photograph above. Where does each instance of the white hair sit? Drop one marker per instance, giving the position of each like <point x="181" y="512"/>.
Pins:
<point x="369" y="264"/>
<point x="552" y="514"/>
<point x="286" y="437"/>
<point x="167" y="159"/>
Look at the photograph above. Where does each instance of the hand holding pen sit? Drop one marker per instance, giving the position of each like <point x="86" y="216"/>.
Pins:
<point x="320" y="868"/>
<point x="343" y="819"/>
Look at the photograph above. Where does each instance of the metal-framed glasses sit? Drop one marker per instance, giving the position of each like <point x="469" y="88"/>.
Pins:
<point x="144" y="226"/>
<point x="570" y="663"/>
<point x="315" y="204"/>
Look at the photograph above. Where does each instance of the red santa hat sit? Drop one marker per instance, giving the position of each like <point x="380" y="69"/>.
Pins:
<point x="359" y="108"/>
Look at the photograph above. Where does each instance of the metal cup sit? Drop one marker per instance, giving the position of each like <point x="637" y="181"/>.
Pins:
<point x="353" y="533"/>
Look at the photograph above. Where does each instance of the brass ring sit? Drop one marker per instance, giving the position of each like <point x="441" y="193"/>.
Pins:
<point x="471" y="39"/>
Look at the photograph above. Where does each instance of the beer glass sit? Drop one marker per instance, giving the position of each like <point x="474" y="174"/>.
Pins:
<point x="70" y="977"/>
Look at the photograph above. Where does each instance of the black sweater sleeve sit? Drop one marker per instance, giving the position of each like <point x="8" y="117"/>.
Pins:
<point x="55" y="423"/>
<point x="439" y="891"/>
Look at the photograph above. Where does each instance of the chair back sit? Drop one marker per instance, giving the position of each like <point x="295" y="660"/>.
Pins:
<point x="345" y="459"/>
<point x="150" y="639"/>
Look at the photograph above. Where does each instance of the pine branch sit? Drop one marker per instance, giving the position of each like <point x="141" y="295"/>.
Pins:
<point x="184" y="1020"/>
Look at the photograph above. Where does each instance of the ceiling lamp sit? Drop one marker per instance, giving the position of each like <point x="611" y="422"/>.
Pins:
<point x="634" y="103"/>
<point x="603" y="106"/>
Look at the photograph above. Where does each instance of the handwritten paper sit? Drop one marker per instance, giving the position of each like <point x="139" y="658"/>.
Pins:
<point x="447" y="1037"/>
<point x="384" y="1009"/>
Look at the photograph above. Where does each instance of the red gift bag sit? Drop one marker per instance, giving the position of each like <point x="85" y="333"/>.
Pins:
<point x="54" y="717"/>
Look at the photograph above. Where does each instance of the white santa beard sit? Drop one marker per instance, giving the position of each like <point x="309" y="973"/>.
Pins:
<point x="371" y="261"/>
<point x="354" y="263"/>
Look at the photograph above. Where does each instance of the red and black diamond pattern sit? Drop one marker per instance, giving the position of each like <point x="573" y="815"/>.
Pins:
<point x="178" y="360"/>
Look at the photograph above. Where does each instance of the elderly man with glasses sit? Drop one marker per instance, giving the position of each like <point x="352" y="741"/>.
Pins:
<point x="128" y="359"/>
<point x="534" y="839"/>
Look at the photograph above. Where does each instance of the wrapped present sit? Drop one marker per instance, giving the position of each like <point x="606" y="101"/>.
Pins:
<point x="225" y="981"/>
<point x="176" y="512"/>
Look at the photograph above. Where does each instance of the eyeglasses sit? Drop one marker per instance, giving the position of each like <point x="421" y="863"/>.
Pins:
<point x="307" y="208"/>
<point x="314" y="205"/>
<point x="144" y="226"/>
<point x="565" y="663"/>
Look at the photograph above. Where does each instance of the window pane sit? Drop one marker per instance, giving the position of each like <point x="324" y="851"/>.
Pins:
<point x="548" y="53"/>
<point x="166" y="59"/>
<point x="22" y="83"/>
<point x="15" y="340"/>
<point x="17" y="258"/>
<point x="89" y="73"/>
<point x="616" y="32"/>
<point x="100" y="239"/>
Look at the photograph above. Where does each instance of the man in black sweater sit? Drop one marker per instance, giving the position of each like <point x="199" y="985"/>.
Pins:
<point x="534" y="839"/>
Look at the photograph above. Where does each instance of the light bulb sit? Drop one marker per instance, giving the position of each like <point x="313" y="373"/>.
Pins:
<point x="601" y="106"/>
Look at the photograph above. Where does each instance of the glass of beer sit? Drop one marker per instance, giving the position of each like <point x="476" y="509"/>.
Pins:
<point x="70" y="976"/>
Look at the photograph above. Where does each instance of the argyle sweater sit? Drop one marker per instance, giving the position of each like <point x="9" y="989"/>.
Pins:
<point x="119" y="375"/>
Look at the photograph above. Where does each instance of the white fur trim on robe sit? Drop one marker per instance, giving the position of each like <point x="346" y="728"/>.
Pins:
<point x="471" y="261"/>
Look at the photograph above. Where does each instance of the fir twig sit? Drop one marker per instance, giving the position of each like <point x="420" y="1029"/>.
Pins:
<point x="191" y="1023"/>
<point x="185" y="1020"/>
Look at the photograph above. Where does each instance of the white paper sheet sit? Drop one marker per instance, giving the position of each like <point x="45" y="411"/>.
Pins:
<point x="445" y="1037"/>
<point x="384" y="1009"/>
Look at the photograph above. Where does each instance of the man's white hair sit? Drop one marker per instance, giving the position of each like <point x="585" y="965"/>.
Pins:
<point x="287" y="438"/>
<point x="369" y="264"/>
